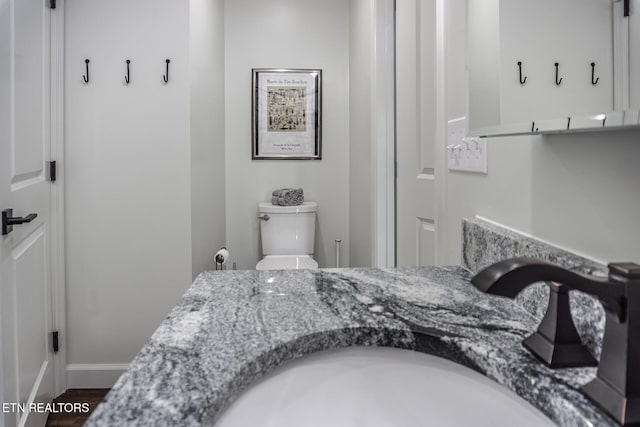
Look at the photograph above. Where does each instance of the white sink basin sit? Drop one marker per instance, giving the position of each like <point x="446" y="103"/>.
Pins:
<point x="377" y="386"/>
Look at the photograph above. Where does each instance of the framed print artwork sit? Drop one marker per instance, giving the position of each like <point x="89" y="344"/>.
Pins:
<point x="286" y="114"/>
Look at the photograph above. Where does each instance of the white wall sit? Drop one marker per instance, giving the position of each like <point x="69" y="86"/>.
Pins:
<point x="577" y="191"/>
<point x="484" y="61"/>
<point x="502" y="33"/>
<point x="206" y="71"/>
<point x="634" y="36"/>
<point x="287" y="34"/>
<point x="360" y="173"/>
<point x="576" y="33"/>
<point x="127" y="193"/>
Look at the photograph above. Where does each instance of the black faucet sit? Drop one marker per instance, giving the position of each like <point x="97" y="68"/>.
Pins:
<point x="616" y="388"/>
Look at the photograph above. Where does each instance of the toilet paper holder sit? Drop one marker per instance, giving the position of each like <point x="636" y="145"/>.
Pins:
<point x="221" y="257"/>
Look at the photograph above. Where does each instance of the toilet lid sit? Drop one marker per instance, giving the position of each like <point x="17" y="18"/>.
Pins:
<point x="287" y="262"/>
<point x="305" y="207"/>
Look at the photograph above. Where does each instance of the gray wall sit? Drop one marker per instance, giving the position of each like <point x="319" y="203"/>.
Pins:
<point x="360" y="173"/>
<point x="576" y="191"/>
<point x="287" y="34"/>
<point x="206" y="68"/>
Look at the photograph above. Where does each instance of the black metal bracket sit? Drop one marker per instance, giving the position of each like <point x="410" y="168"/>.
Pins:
<point x="52" y="4"/>
<point x="52" y="171"/>
<point x="165" y="77"/>
<point x="8" y="220"/>
<point x="626" y="8"/>
<point x="558" y="82"/>
<point x="127" y="78"/>
<point x="593" y="74"/>
<point x="6" y="227"/>
<point x="86" y="76"/>
<point x="54" y="341"/>
<point x="522" y="81"/>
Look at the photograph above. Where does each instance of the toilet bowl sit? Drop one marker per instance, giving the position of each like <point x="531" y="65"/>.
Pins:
<point x="288" y="236"/>
<point x="287" y="262"/>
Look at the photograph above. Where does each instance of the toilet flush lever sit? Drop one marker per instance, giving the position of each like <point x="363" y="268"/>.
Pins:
<point x="264" y="217"/>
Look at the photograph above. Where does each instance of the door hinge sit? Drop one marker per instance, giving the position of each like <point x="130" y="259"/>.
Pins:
<point x="52" y="171"/>
<point x="626" y="8"/>
<point x="54" y="341"/>
<point x="52" y="4"/>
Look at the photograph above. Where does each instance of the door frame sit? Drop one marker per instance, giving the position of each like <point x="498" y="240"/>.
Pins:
<point x="383" y="133"/>
<point x="383" y="123"/>
<point x="57" y="249"/>
<point x="440" y="189"/>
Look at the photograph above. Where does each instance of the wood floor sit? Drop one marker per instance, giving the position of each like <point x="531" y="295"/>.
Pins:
<point x="92" y="396"/>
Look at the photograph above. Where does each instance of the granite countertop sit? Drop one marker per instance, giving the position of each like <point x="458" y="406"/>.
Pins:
<point x="231" y="327"/>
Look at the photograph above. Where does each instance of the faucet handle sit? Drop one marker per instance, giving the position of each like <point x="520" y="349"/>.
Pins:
<point x="616" y="388"/>
<point x="556" y="341"/>
<point x="628" y="270"/>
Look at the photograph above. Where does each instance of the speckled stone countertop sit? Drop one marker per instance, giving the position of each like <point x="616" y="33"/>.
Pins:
<point x="231" y="327"/>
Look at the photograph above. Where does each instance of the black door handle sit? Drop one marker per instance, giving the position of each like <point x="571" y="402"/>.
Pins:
<point x="8" y="221"/>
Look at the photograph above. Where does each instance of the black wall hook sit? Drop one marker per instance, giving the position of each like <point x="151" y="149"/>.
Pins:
<point x="558" y="82"/>
<point x="166" y="76"/>
<point x="86" y="76"/>
<point x="127" y="77"/>
<point x="522" y="81"/>
<point x="593" y="74"/>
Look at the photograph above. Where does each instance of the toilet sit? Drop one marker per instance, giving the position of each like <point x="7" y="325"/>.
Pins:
<point x="288" y="236"/>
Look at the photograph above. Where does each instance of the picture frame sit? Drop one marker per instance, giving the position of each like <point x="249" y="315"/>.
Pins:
<point x="286" y="114"/>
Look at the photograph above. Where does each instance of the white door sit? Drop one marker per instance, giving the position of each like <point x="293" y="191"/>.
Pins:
<point x="25" y="297"/>
<point x="415" y="132"/>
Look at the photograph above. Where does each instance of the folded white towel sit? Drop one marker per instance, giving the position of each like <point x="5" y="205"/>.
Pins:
<point x="287" y="197"/>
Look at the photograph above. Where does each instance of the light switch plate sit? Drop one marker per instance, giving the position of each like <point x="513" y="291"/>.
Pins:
<point x="467" y="154"/>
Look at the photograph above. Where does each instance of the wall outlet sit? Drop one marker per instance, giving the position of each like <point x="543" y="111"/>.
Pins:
<point x="468" y="154"/>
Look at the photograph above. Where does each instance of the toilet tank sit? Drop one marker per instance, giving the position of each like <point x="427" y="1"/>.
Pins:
<point x="290" y="230"/>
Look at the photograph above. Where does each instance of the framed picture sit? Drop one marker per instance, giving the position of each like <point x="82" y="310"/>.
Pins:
<point x="286" y="114"/>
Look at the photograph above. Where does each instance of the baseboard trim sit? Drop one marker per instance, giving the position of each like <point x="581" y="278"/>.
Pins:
<point x="94" y="375"/>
